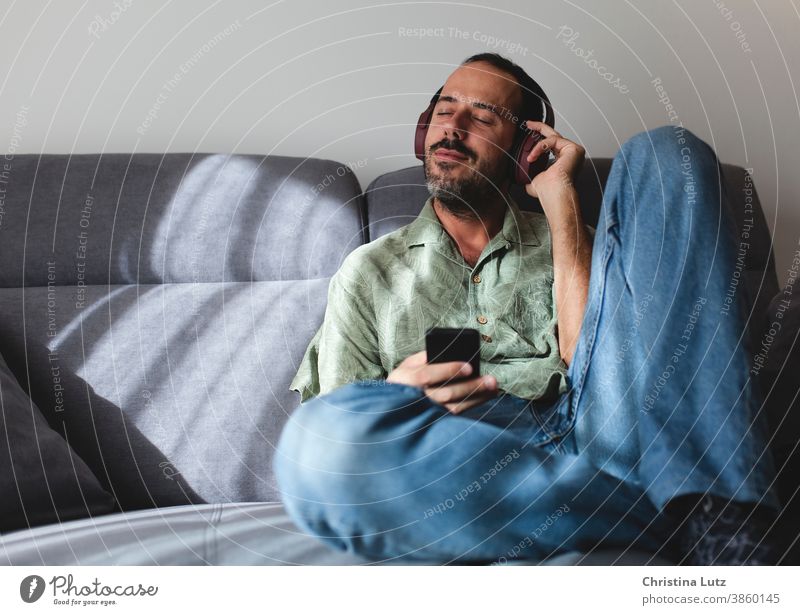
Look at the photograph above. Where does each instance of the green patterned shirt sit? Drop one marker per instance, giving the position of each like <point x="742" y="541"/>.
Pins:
<point x="388" y="292"/>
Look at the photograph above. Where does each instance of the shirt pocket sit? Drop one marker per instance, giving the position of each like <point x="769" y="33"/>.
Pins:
<point x="534" y="303"/>
<point x="526" y="315"/>
<point x="525" y="304"/>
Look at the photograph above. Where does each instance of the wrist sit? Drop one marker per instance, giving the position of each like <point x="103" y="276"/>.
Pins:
<point x="560" y="205"/>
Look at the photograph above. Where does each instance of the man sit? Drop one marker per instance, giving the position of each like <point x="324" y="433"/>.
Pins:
<point x="398" y="458"/>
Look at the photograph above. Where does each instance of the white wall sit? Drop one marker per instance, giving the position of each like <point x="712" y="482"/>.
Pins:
<point x="340" y="80"/>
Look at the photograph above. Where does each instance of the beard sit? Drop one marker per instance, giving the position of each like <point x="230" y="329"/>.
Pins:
<point x="470" y="195"/>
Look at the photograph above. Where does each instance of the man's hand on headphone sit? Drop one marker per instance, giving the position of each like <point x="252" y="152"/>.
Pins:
<point x="560" y="175"/>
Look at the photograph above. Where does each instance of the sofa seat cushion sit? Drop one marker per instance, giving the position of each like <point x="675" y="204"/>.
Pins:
<point x="172" y="393"/>
<point x="212" y="534"/>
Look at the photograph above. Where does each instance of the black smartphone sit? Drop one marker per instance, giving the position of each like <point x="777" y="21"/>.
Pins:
<point x="445" y="344"/>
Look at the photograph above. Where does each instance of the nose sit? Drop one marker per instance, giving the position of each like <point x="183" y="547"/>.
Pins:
<point x="455" y="124"/>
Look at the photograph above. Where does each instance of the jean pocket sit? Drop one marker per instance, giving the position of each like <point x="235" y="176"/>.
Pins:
<point x="554" y="418"/>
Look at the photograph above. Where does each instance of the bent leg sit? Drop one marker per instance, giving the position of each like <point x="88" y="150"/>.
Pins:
<point x="381" y="470"/>
<point x="662" y="393"/>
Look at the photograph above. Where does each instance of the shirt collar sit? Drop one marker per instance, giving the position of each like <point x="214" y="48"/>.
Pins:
<point x="426" y="227"/>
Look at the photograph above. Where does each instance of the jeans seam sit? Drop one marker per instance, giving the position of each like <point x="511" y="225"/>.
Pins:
<point x="593" y="303"/>
<point x="548" y="435"/>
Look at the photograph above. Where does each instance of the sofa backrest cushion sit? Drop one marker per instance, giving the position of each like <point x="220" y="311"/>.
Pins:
<point x="161" y="218"/>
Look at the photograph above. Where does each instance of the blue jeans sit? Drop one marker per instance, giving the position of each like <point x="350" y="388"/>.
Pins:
<point x="659" y="404"/>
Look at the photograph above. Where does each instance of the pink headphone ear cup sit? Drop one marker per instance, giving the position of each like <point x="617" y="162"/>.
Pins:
<point x="524" y="172"/>
<point x="422" y="130"/>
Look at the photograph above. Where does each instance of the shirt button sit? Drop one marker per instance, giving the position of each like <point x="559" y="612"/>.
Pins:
<point x="486" y="338"/>
<point x="476" y="278"/>
<point x="483" y="320"/>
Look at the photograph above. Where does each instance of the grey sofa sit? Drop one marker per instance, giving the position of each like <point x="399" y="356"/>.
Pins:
<point x="154" y="311"/>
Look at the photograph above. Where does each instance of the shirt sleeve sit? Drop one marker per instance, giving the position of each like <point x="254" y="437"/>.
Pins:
<point x="345" y="347"/>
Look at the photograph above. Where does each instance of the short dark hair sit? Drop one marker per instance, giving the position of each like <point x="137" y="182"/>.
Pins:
<point x="532" y="107"/>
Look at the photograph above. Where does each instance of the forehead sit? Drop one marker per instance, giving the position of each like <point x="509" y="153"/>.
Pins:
<point x="480" y="81"/>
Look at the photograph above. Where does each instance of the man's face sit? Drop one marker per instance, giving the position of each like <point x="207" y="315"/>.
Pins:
<point x="472" y="128"/>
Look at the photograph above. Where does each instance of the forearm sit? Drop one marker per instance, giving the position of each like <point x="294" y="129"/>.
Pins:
<point x="572" y="260"/>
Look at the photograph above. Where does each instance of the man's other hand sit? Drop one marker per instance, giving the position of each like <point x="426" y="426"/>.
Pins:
<point x="444" y="383"/>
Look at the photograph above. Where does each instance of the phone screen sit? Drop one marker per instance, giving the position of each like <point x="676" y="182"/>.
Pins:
<point x="445" y="344"/>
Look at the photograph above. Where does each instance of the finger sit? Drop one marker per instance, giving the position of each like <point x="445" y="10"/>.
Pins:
<point x="471" y="402"/>
<point x="416" y="359"/>
<point x="432" y="374"/>
<point x="545" y="129"/>
<point x="549" y="143"/>
<point x="458" y="391"/>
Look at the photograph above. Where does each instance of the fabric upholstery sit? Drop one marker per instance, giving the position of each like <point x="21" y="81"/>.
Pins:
<point x="777" y="366"/>
<point x="173" y="393"/>
<point x="42" y="480"/>
<point x="153" y="218"/>
<point x="212" y="534"/>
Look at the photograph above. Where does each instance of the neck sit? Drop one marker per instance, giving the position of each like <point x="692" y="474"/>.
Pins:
<point x="472" y="232"/>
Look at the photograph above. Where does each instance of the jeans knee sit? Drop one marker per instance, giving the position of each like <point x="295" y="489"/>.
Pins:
<point x="295" y="478"/>
<point x="304" y="466"/>
<point x="303" y="486"/>
<point x="312" y="446"/>
<point x="340" y="456"/>
<point x="358" y="428"/>
<point x="673" y="147"/>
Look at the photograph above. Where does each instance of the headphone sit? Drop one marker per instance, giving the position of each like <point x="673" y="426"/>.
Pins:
<point x="522" y="171"/>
